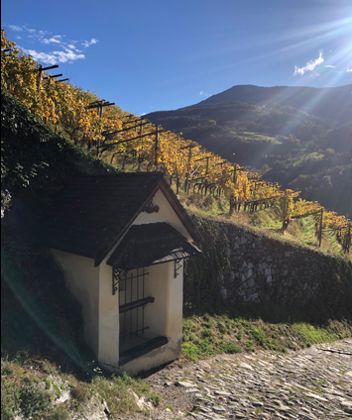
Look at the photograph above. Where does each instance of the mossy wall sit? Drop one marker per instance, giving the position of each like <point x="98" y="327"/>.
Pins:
<point x="244" y="272"/>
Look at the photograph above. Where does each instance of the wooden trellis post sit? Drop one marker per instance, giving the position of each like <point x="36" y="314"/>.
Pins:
<point x="122" y="130"/>
<point x="234" y="174"/>
<point x="222" y="163"/>
<point x="99" y="105"/>
<point x="206" y="158"/>
<point x="40" y="70"/>
<point x="320" y="229"/>
<point x="189" y="159"/>
<point x="52" y="77"/>
<point x="347" y="239"/>
<point x="256" y="183"/>
<point x="156" y="146"/>
<point x="139" y="161"/>
<point x="235" y="170"/>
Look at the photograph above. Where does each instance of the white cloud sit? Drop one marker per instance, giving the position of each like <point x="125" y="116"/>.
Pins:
<point x="88" y="43"/>
<point x="329" y="66"/>
<point x="15" y="28"/>
<point x="349" y="70"/>
<point x="56" y="39"/>
<point x="310" y="65"/>
<point x="66" y="51"/>
<point x="55" y="57"/>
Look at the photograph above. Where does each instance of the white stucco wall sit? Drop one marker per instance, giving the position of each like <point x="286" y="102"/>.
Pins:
<point x="174" y="304"/>
<point x="156" y="286"/>
<point x="165" y="214"/>
<point x="82" y="279"/>
<point x="108" y="349"/>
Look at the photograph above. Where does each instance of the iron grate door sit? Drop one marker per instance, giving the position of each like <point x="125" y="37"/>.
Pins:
<point x="132" y="301"/>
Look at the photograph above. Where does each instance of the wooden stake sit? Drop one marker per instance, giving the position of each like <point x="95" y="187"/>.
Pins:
<point x="234" y="175"/>
<point x="40" y="70"/>
<point x="347" y="245"/>
<point x="189" y="159"/>
<point x="207" y="163"/>
<point x="320" y="232"/>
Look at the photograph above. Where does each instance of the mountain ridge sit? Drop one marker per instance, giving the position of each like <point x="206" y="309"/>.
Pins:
<point x="245" y="92"/>
<point x="295" y="135"/>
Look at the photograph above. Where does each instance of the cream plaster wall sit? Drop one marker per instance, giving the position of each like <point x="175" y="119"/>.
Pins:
<point x="108" y="350"/>
<point x="156" y="286"/>
<point x="174" y="305"/>
<point x="165" y="214"/>
<point x="82" y="279"/>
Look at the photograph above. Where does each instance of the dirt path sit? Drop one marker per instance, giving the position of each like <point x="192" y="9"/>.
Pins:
<point x="315" y="383"/>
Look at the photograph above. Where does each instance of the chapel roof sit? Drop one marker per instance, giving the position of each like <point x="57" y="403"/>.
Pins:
<point x="90" y="213"/>
<point x="151" y="243"/>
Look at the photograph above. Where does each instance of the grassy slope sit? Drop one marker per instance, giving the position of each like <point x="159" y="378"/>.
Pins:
<point x="300" y="231"/>
<point x="43" y="355"/>
<point x="207" y="335"/>
<point x="33" y="387"/>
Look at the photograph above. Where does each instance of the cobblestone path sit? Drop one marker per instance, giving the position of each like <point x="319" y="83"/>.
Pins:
<point x="315" y="383"/>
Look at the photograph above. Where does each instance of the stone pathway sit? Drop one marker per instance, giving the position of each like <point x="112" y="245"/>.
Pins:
<point x="315" y="383"/>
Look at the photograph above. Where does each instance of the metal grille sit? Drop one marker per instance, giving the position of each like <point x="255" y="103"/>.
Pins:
<point x="132" y="301"/>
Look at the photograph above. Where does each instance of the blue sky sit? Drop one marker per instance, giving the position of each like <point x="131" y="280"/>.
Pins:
<point x="158" y="54"/>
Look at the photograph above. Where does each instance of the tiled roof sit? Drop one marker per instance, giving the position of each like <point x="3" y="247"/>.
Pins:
<point x="91" y="212"/>
<point x="149" y="243"/>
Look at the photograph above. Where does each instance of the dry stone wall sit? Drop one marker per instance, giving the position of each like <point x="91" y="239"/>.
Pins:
<point x="242" y="270"/>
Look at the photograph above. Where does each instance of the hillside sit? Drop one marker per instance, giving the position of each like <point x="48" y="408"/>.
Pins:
<point x="47" y="371"/>
<point x="297" y="136"/>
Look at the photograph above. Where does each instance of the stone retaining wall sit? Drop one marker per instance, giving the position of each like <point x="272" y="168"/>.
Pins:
<point x="243" y="270"/>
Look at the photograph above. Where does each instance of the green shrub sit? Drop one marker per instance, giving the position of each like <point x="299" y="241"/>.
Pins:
<point x="249" y="345"/>
<point x="207" y="333"/>
<point x="313" y="335"/>
<point x="229" y="347"/>
<point x="10" y="398"/>
<point x="117" y="392"/>
<point x="80" y="392"/>
<point x="59" y="413"/>
<point x="190" y="350"/>
<point x="34" y="402"/>
<point x="154" y="399"/>
<point x="260" y="336"/>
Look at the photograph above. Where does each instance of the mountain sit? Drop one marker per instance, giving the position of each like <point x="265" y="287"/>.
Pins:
<point x="300" y="137"/>
<point x="320" y="102"/>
